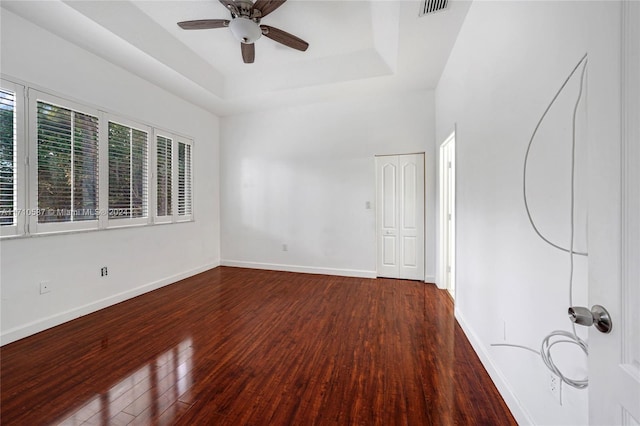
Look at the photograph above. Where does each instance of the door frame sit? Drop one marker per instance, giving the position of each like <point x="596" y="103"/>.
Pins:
<point x="447" y="200"/>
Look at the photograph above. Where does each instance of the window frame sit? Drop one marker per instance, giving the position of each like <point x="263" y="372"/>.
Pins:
<point x="35" y="227"/>
<point x="132" y="124"/>
<point x="20" y="156"/>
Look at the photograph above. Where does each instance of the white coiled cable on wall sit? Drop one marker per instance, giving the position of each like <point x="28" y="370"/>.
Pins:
<point x="559" y="336"/>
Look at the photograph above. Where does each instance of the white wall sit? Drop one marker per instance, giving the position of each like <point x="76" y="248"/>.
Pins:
<point x="302" y="176"/>
<point x="139" y="259"/>
<point x="508" y="62"/>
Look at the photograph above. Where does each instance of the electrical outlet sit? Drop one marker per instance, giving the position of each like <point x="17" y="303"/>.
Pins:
<point x="554" y="387"/>
<point x="45" y="287"/>
<point x="103" y="271"/>
<point x="285" y="248"/>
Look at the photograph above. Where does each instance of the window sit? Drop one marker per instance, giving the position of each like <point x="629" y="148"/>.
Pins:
<point x="8" y="148"/>
<point x="12" y="159"/>
<point x="164" y="176"/>
<point x="173" y="178"/>
<point x="67" y="164"/>
<point x="74" y="167"/>
<point x="184" y="180"/>
<point x="63" y="154"/>
<point x="128" y="187"/>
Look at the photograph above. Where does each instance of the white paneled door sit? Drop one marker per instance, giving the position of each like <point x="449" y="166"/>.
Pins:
<point x="400" y="216"/>
<point x="614" y="219"/>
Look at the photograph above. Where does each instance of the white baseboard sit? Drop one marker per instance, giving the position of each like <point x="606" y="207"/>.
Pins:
<point x="303" y="269"/>
<point x="431" y="279"/>
<point x="37" y="326"/>
<point x="521" y="415"/>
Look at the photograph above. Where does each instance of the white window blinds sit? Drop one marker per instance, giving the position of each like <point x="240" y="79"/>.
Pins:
<point x="8" y="189"/>
<point x="164" y="176"/>
<point x="128" y="188"/>
<point x="67" y="164"/>
<point x="185" y="207"/>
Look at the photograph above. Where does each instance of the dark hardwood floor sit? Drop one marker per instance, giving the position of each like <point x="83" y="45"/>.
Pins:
<point x="236" y="346"/>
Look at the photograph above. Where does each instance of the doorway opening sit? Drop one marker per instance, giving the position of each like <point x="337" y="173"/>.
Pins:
<point x="448" y="214"/>
<point x="400" y="216"/>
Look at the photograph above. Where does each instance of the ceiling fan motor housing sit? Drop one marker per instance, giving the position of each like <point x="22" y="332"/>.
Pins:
<point x="246" y="8"/>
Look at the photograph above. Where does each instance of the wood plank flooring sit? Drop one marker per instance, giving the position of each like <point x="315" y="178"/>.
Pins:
<point x="236" y="346"/>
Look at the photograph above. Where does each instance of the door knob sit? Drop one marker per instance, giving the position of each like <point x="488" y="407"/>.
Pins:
<point x="597" y="316"/>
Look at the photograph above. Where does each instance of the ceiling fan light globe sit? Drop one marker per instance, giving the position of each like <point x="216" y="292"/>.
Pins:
<point x="245" y="30"/>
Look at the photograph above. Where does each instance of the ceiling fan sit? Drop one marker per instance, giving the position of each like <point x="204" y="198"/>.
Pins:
<point x="245" y="25"/>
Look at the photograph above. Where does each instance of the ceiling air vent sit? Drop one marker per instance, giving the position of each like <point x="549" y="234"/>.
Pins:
<point x="432" y="6"/>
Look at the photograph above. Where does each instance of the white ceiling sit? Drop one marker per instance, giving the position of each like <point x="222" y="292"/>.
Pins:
<point x="355" y="47"/>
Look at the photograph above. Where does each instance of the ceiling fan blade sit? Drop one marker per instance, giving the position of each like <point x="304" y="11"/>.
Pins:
<point x="267" y="6"/>
<point x="248" y="52"/>
<point x="203" y="24"/>
<point x="284" y="37"/>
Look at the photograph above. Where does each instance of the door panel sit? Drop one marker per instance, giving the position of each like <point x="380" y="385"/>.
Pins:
<point x="389" y="196"/>
<point x="409" y="188"/>
<point x="387" y="213"/>
<point x="409" y="250"/>
<point x="390" y="255"/>
<point x="412" y="216"/>
<point x="614" y="216"/>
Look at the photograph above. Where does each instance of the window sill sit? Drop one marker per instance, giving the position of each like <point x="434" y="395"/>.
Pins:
<point x="84" y="231"/>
